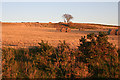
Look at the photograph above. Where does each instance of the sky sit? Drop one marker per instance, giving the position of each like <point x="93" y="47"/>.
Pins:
<point x="60" y="0"/>
<point x="83" y="12"/>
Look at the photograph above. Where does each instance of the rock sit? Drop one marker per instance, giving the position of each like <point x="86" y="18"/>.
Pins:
<point x="81" y="29"/>
<point x="111" y="32"/>
<point x="58" y="29"/>
<point x="62" y="30"/>
<point x="117" y="32"/>
<point x="68" y="30"/>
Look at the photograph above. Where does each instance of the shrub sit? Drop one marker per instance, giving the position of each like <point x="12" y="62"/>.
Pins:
<point x="94" y="57"/>
<point x="101" y="56"/>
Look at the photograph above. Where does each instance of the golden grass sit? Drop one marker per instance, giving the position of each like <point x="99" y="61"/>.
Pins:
<point x="19" y="35"/>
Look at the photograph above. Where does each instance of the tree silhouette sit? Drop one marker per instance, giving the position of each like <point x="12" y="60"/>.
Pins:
<point x="67" y="17"/>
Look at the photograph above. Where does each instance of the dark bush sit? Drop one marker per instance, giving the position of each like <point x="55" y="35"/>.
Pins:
<point x="101" y="56"/>
<point x="94" y="57"/>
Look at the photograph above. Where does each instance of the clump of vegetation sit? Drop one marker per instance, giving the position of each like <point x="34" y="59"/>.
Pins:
<point x="101" y="56"/>
<point x="94" y="57"/>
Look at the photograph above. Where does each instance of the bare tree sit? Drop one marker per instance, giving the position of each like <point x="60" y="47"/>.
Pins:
<point x="67" y="17"/>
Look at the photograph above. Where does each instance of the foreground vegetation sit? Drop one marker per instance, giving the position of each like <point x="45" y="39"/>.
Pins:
<point x="95" y="57"/>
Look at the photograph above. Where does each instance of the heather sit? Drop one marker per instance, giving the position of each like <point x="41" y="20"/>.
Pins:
<point x="95" y="57"/>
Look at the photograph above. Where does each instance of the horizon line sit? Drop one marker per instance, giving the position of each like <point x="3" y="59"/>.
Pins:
<point x="58" y="22"/>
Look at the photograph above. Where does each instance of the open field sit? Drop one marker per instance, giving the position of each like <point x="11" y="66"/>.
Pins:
<point x="95" y="58"/>
<point x="18" y="35"/>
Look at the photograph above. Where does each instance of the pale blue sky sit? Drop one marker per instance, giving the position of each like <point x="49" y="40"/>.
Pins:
<point x="59" y="0"/>
<point x="83" y="12"/>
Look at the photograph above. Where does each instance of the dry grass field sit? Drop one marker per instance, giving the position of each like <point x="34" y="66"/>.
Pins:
<point x="22" y="35"/>
<point x="59" y="61"/>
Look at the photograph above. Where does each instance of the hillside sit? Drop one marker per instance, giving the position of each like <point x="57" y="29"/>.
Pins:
<point x="30" y="34"/>
<point x="60" y="24"/>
